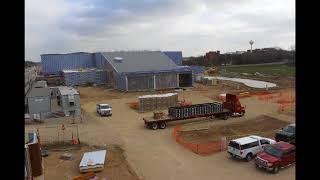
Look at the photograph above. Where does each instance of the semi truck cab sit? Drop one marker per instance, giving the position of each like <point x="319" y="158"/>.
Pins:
<point x="233" y="103"/>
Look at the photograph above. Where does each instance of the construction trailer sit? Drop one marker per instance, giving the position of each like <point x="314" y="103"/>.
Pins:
<point x="125" y="70"/>
<point x="38" y="103"/>
<point x="69" y="100"/>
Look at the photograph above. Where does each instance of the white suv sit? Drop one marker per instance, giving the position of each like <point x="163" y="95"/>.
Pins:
<point x="248" y="147"/>
<point x="104" y="109"/>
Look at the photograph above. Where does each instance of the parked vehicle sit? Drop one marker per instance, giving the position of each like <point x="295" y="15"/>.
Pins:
<point x="247" y="147"/>
<point x="104" y="109"/>
<point x="231" y="107"/>
<point x="276" y="156"/>
<point x="287" y="134"/>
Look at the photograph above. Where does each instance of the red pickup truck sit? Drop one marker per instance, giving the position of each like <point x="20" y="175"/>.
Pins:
<point x="276" y="156"/>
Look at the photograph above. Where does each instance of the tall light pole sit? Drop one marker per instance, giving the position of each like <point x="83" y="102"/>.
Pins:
<point x="251" y="42"/>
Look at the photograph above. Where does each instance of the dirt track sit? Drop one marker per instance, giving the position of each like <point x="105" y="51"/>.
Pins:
<point x="154" y="154"/>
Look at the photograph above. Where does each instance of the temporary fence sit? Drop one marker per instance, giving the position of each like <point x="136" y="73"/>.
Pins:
<point x="62" y="134"/>
<point x="211" y="147"/>
<point x="200" y="148"/>
<point x="134" y="105"/>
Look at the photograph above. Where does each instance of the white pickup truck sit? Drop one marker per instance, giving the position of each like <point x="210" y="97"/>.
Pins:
<point x="248" y="147"/>
<point x="104" y="109"/>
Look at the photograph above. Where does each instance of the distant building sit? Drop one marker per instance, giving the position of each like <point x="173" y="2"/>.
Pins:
<point x="212" y="55"/>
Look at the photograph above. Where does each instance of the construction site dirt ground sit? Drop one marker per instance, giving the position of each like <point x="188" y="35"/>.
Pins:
<point x="116" y="167"/>
<point x="263" y="125"/>
<point x="154" y="155"/>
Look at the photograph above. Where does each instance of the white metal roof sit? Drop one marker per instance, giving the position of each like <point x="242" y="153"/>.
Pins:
<point x="81" y="70"/>
<point x="65" y="90"/>
<point x="158" y="95"/>
<point x="93" y="158"/>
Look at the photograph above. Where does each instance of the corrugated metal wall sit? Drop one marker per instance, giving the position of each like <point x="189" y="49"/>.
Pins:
<point x="55" y="63"/>
<point x="166" y="80"/>
<point x="80" y="78"/>
<point x="99" y="60"/>
<point x="140" y="82"/>
<point x="121" y="82"/>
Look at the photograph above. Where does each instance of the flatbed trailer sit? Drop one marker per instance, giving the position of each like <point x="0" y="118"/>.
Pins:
<point x="231" y="107"/>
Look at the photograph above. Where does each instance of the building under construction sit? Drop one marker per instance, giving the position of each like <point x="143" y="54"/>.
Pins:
<point x="124" y="70"/>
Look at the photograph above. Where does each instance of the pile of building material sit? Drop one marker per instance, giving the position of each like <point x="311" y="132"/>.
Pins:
<point x="209" y="81"/>
<point x="157" y="101"/>
<point x="93" y="161"/>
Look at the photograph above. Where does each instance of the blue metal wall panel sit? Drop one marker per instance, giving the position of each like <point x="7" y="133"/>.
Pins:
<point x="55" y="63"/>
<point x="197" y="69"/>
<point x="121" y="82"/>
<point x="98" y="60"/>
<point x="80" y="78"/>
<point x="176" y="56"/>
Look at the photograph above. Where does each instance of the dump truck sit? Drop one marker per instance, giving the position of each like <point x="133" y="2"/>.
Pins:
<point x="230" y="107"/>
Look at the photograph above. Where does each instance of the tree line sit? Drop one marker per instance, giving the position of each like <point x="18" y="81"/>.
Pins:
<point x="257" y="56"/>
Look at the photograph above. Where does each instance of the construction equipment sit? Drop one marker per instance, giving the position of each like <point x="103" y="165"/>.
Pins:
<point x="231" y="107"/>
<point x="211" y="71"/>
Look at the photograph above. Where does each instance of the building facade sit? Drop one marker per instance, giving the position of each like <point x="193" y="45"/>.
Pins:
<point x="122" y="70"/>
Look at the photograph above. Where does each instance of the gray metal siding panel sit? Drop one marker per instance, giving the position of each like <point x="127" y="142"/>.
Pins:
<point x="121" y="82"/>
<point x="142" y="82"/>
<point x="140" y="61"/>
<point x="53" y="64"/>
<point x="166" y="80"/>
<point x="39" y="104"/>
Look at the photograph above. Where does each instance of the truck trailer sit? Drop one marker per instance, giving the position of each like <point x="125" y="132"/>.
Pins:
<point x="231" y="107"/>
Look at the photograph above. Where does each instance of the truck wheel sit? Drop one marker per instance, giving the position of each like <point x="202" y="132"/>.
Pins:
<point x="241" y="114"/>
<point x="275" y="170"/>
<point x="225" y="117"/>
<point x="154" y="126"/>
<point x="249" y="157"/>
<point x="162" y="125"/>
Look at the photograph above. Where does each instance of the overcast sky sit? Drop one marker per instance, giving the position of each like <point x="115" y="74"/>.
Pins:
<point x="192" y="26"/>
